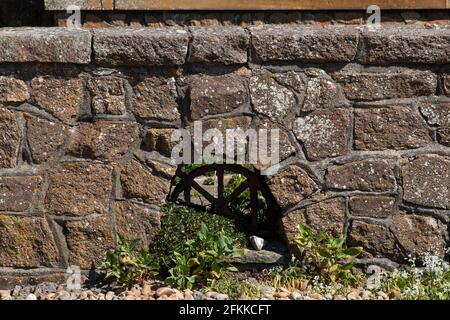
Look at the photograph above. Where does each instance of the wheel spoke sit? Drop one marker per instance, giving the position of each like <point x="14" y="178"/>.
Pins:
<point x="244" y="185"/>
<point x="220" y="184"/>
<point x="203" y="192"/>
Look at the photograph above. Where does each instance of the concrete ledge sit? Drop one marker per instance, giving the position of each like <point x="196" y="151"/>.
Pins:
<point x="406" y="45"/>
<point x="173" y="46"/>
<point x="150" y="47"/>
<point x="45" y="45"/>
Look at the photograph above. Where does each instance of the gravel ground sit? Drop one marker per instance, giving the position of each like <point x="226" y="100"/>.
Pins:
<point x="158" y="291"/>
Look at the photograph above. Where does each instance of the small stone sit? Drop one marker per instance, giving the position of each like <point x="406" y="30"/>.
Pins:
<point x="199" y="295"/>
<point x="267" y="290"/>
<point x="13" y="90"/>
<point x="394" y="294"/>
<point x="316" y="296"/>
<point x="146" y="290"/>
<point x="328" y="296"/>
<point x="110" y="295"/>
<point x="188" y="295"/>
<point x="365" y="295"/>
<point x="83" y="295"/>
<point x="5" y="294"/>
<point x="340" y="297"/>
<point x="295" y="295"/>
<point x="353" y="296"/>
<point x="257" y="242"/>
<point x="382" y="295"/>
<point x="31" y="296"/>
<point x="281" y="294"/>
<point x="164" y="291"/>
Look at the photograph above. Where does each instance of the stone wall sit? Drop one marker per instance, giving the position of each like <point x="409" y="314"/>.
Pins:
<point x="85" y="118"/>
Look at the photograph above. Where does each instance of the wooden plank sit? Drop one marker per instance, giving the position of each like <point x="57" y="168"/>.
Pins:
<point x="83" y="4"/>
<point x="277" y="4"/>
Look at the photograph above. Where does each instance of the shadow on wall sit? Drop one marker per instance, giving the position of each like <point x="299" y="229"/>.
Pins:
<point x="18" y="13"/>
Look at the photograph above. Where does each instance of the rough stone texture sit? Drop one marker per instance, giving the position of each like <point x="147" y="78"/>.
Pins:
<point x="210" y="95"/>
<point x="156" y="99"/>
<point x="372" y="206"/>
<point x="146" y="47"/>
<point x="437" y="113"/>
<point x="285" y="147"/>
<point x="272" y="96"/>
<point x="229" y="129"/>
<point x="10" y="135"/>
<point x="406" y="45"/>
<point x="18" y="193"/>
<point x="321" y="92"/>
<point x="45" y="45"/>
<point x="289" y="227"/>
<point x="386" y="84"/>
<point x="443" y="136"/>
<point x="26" y="242"/>
<point x="78" y="189"/>
<point x="418" y="235"/>
<point x="44" y="138"/>
<point x="13" y="90"/>
<point x="291" y="186"/>
<point x="108" y="95"/>
<point x="88" y="241"/>
<point x="324" y="133"/>
<point x="140" y="183"/>
<point x="426" y="181"/>
<point x="446" y="83"/>
<point x="226" y="45"/>
<point x="106" y="140"/>
<point x="135" y="221"/>
<point x="304" y="43"/>
<point x="389" y="128"/>
<point x="375" y="239"/>
<point x="62" y="98"/>
<point x="160" y="140"/>
<point x="365" y="175"/>
<point x="327" y="215"/>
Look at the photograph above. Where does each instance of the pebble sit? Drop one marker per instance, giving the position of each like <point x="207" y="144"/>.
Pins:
<point x="281" y="294"/>
<point x="394" y="294"/>
<point x="164" y="291"/>
<point x="199" y="295"/>
<point x="188" y="295"/>
<point x="31" y="296"/>
<point x="267" y="290"/>
<point x="146" y="290"/>
<point x="382" y="295"/>
<point x="295" y="295"/>
<point x="109" y="295"/>
<point x="365" y="295"/>
<point x="328" y="296"/>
